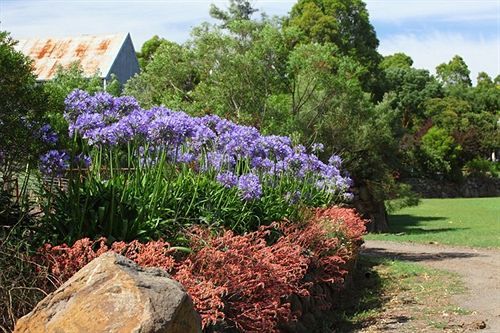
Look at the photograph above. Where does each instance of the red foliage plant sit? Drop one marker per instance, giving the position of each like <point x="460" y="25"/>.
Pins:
<point x="255" y="276"/>
<point x="64" y="261"/>
<point x="344" y="220"/>
<point x="238" y="280"/>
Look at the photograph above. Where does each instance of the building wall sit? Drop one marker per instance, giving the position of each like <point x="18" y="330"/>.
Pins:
<point x="125" y="65"/>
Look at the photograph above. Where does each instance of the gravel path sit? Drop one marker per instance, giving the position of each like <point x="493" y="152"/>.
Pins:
<point x="479" y="269"/>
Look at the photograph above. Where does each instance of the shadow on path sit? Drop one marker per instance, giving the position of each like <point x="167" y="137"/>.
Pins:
<point x="417" y="256"/>
<point x="363" y="295"/>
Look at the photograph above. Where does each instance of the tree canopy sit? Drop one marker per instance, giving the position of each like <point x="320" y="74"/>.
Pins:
<point x="346" y="24"/>
<point x="22" y="105"/>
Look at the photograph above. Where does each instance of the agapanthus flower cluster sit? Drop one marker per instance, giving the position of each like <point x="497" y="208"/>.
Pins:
<point x="227" y="179"/>
<point x="250" y="187"/>
<point x="208" y="143"/>
<point x="47" y="134"/>
<point x="54" y="163"/>
<point x="82" y="160"/>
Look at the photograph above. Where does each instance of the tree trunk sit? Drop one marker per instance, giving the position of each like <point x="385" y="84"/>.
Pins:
<point x="371" y="208"/>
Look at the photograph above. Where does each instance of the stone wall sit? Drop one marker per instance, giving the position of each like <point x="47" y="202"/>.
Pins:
<point x="470" y="187"/>
<point x="314" y="312"/>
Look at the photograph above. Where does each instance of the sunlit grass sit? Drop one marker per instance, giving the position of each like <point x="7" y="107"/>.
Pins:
<point x="469" y="222"/>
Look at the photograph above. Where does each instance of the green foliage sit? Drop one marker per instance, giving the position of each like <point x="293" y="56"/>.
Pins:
<point x="113" y="86"/>
<point x="232" y="75"/>
<point x="169" y="78"/>
<point x="481" y="166"/>
<point x="344" y="23"/>
<point x="404" y="198"/>
<point x="409" y="89"/>
<point x="238" y="10"/>
<point x="468" y="119"/>
<point x="468" y="115"/>
<point x="485" y="95"/>
<point x="396" y="60"/>
<point x="22" y="105"/>
<point x="68" y="79"/>
<point x="148" y="50"/>
<point x="65" y="81"/>
<point x="440" y="151"/>
<point x="454" y="73"/>
<point x="239" y="72"/>
<point x="341" y="22"/>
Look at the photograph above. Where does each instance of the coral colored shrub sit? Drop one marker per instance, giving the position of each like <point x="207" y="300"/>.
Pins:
<point x="239" y="281"/>
<point x="327" y="255"/>
<point x="63" y="261"/>
<point x="256" y="277"/>
<point x="346" y="220"/>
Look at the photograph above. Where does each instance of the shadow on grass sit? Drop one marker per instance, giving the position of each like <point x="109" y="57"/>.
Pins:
<point x="362" y="300"/>
<point x="411" y="224"/>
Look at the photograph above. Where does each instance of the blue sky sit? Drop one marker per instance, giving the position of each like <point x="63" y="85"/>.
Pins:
<point x="430" y="31"/>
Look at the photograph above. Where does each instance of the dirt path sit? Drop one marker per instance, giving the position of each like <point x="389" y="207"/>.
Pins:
<point x="479" y="269"/>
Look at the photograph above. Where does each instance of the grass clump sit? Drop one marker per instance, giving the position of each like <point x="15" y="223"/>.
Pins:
<point x="394" y="292"/>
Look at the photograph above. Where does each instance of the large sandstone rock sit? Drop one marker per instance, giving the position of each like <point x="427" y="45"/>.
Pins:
<point x="113" y="294"/>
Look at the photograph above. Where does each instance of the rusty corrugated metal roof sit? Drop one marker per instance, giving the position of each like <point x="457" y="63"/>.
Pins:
<point x="96" y="53"/>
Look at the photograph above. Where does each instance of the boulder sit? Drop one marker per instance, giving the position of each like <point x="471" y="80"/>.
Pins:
<point x="113" y="294"/>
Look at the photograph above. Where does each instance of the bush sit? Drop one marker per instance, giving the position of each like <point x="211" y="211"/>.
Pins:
<point x="239" y="281"/>
<point x="23" y="283"/>
<point x="440" y="152"/>
<point x="22" y="105"/>
<point x="480" y="166"/>
<point x="404" y="197"/>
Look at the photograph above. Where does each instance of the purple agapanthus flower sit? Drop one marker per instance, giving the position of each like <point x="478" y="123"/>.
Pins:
<point x="47" y="135"/>
<point x="210" y="143"/>
<point x="54" y="163"/>
<point x="348" y="196"/>
<point x="228" y="179"/>
<point x="250" y="186"/>
<point x="335" y="160"/>
<point x="83" y="160"/>
<point x="218" y="161"/>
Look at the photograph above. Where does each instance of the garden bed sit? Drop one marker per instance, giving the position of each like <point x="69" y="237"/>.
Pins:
<point x="228" y="212"/>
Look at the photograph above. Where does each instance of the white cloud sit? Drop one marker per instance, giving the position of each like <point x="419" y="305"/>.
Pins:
<point x="143" y="19"/>
<point x="433" y="49"/>
<point x="446" y="10"/>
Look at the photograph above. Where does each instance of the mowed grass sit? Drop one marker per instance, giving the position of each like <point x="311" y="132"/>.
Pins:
<point x="466" y="221"/>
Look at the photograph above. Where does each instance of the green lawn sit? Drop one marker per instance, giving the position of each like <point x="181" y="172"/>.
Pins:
<point x="469" y="222"/>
